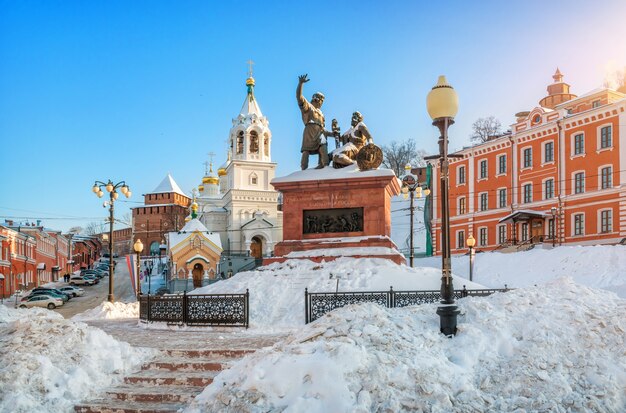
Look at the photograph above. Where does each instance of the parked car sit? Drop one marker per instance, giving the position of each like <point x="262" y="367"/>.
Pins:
<point x="74" y="291"/>
<point x="51" y="293"/>
<point x="40" y="290"/>
<point x="78" y="280"/>
<point x="94" y="273"/>
<point x="95" y="279"/>
<point x="41" y="301"/>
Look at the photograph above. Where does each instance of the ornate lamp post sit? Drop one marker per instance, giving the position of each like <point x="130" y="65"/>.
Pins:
<point x="138" y="247"/>
<point x="442" y="103"/>
<point x="470" y="244"/>
<point x="411" y="186"/>
<point x="113" y="194"/>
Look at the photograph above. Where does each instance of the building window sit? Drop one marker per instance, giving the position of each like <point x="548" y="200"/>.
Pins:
<point x="502" y="198"/>
<point x="461" y="178"/>
<point x="240" y="142"/>
<point x="483" y="169"/>
<point x="579" y="183"/>
<point x="483" y="201"/>
<point x="461" y="205"/>
<point x="525" y="231"/>
<point x="607" y="178"/>
<point x="528" y="193"/>
<point x="579" y="144"/>
<point x="460" y="239"/>
<point x="502" y="164"/>
<point x="579" y="224"/>
<point x="548" y="189"/>
<point x="482" y="237"/>
<point x="605" y="221"/>
<point x="595" y="104"/>
<point x="605" y="137"/>
<point x="551" y="228"/>
<point x="501" y="234"/>
<point x="528" y="157"/>
<point x="548" y="152"/>
<point x="254" y="142"/>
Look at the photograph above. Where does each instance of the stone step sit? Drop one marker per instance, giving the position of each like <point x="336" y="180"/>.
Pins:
<point x="122" y="406"/>
<point x="170" y="378"/>
<point x="208" y="354"/>
<point x="156" y="394"/>
<point x="186" y="364"/>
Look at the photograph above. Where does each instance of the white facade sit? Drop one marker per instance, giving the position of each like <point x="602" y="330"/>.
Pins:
<point x="242" y="206"/>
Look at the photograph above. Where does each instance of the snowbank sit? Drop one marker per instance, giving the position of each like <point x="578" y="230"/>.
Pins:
<point x="49" y="363"/>
<point x="108" y="310"/>
<point x="600" y="266"/>
<point x="557" y="348"/>
<point x="277" y="290"/>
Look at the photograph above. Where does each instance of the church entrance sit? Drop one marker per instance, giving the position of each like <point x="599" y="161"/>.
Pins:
<point x="256" y="247"/>
<point x="198" y="274"/>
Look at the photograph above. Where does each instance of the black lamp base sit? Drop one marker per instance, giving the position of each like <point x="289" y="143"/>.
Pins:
<point x="447" y="319"/>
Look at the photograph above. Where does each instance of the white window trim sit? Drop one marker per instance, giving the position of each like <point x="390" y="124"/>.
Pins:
<point x="573" y="180"/>
<point x="456" y="238"/>
<point x="486" y="244"/>
<point x="543" y="152"/>
<point x="573" y="224"/>
<point x="599" y="220"/>
<point x="521" y="161"/>
<point x="480" y="194"/>
<point x="458" y="205"/>
<point x="506" y="166"/>
<point x="498" y="233"/>
<point x="458" y="175"/>
<point x="543" y="187"/>
<point x="599" y="137"/>
<point x="522" y="201"/>
<point x="600" y="168"/>
<point x="498" y="197"/>
<point x="480" y="161"/>
<point x="573" y="153"/>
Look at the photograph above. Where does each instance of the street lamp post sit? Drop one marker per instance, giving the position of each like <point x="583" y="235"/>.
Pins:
<point x="470" y="244"/>
<point x="138" y="247"/>
<point x="411" y="186"/>
<point x="442" y="103"/>
<point x="553" y="211"/>
<point x="113" y="194"/>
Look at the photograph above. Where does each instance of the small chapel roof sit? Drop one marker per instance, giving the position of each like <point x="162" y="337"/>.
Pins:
<point x="194" y="225"/>
<point x="168" y="185"/>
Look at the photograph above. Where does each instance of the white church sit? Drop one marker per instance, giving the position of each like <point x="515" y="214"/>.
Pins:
<point x="239" y="203"/>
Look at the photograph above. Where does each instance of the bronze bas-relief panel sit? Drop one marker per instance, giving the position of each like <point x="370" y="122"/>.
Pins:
<point x="321" y="221"/>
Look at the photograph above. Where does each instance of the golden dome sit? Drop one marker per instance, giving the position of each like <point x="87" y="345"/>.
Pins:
<point x="221" y="172"/>
<point x="194" y="206"/>
<point x="187" y="218"/>
<point x="200" y="188"/>
<point x="250" y="81"/>
<point x="206" y="180"/>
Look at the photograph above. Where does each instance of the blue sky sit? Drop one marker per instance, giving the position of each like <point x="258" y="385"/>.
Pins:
<point x="132" y="90"/>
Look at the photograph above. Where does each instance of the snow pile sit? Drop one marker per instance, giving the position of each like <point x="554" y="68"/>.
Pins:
<point x="600" y="266"/>
<point x="108" y="310"/>
<point x="277" y="290"/>
<point x="49" y="363"/>
<point x="557" y="348"/>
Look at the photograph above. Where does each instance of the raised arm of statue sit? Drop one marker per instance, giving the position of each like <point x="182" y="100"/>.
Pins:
<point x="302" y="79"/>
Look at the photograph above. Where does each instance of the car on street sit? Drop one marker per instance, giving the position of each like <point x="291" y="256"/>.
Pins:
<point x="40" y="290"/>
<point x="93" y="273"/>
<point x="74" y="291"/>
<point x="51" y="293"/>
<point x="78" y="280"/>
<point x="41" y="301"/>
<point x="93" y="278"/>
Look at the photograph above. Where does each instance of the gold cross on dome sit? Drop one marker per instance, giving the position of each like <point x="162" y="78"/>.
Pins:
<point x="250" y="63"/>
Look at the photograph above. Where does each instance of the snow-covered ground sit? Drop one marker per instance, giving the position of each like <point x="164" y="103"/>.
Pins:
<point x="107" y="310"/>
<point x="49" y="363"/>
<point x="554" y="348"/>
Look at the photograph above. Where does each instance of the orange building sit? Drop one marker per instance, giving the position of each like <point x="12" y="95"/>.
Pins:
<point x="558" y="177"/>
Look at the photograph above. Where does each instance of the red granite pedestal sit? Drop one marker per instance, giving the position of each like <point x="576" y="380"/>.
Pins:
<point x="328" y="191"/>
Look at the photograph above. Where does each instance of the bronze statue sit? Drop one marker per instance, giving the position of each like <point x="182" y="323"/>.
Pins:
<point x="314" y="135"/>
<point x="351" y="142"/>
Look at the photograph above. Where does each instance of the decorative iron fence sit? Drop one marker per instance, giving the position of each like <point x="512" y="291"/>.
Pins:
<point x="228" y="310"/>
<point x="318" y="304"/>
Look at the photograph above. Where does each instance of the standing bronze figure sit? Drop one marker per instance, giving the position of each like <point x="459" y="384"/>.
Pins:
<point x="314" y="135"/>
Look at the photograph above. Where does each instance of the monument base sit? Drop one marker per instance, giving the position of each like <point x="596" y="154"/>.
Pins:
<point x="332" y="213"/>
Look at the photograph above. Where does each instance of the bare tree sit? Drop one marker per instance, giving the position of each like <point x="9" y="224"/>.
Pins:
<point x="616" y="79"/>
<point x="94" y="228"/>
<point x="485" y="128"/>
<point x="75" y="230"/>
<point x="397" y="154"/>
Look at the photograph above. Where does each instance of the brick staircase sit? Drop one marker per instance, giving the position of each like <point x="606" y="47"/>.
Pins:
<point x="165" y="384"/>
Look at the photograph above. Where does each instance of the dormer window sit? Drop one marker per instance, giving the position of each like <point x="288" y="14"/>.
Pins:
<point x="536" y="119"/>
<point x="595" y="104"/>
<point x="254" y="179"/>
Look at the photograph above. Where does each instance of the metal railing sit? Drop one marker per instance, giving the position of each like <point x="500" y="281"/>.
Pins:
<point x="318" y="304"/>
<point x="228" y="310"/>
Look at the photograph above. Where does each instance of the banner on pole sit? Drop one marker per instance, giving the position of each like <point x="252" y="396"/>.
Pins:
<point x="131" y="261"/>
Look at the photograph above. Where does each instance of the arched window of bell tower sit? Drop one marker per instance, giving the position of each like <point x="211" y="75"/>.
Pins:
<point x="240" y="142"/>
<point x="254" y="142"/>
<point x="266" y="144"/>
